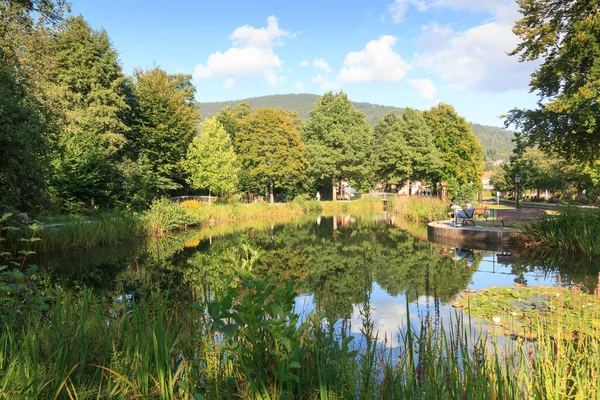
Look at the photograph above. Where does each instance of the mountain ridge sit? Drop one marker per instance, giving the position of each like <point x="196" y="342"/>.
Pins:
<point x="496" y="142"/>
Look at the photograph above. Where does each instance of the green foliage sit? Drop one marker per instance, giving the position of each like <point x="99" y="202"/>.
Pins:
<point x="165" y="215"/>
<point x="564" y="36"/>
<point x="575" y="231"/>
<point x="270" y="151"/>
<point x="460" y="151"/>
<point x="339" y="141"/>
<point x="163" y="122"/>
<point x="405" y="148"/>
<point x="211" y="161"/>
<point x="88" y="90"/>
<point x="302" y="103"/>
<point x="24" y="144"/>
<point x="497" y="143"/>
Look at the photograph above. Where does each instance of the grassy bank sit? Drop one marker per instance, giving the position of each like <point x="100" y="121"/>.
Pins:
<point x="248" y="342"/>
<point x="420" y="209"/>
<point x="367" y="204"/>
<point x="573" y="230"/>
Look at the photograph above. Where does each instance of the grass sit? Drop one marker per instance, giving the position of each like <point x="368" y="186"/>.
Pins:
<point x="367" y="204"/>
<point x="572" y="230"/>
<point x="247" y="342"/>
<point x="420" y="209"/>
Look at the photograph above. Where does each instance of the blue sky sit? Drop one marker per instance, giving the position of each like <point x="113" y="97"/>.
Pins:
<point x="405" y="53"/>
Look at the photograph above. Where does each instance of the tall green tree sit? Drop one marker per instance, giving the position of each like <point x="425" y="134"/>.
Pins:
<point x="24" y="139"/>
<point x="565" y="36"/>
<point x="211" y="161"/>
<point x="339" y="142"/>
<point x="164" y="121"/>
<point x="231" y="118"/>
<point x="391" y="150"/>
<point x="88" y="88"/>
<point x="270" y="151"/>
<point x="460" y="152"/>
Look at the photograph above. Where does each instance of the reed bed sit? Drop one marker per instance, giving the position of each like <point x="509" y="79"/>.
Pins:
<point x="103" y="229"/>
<point x="420" y="209"/>
<point x="248" y="342"/>
<point x="366" y="204"/>
<point x="572" y="230"/>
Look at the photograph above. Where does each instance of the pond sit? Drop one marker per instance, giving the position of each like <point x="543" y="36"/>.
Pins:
<point x="338" y="263"/>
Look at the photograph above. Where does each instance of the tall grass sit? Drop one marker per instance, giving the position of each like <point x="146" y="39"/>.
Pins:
<point x="248" y="342"/>
<point x="100" y="230"/>
<point x="420" y="209"/>
<point x="573" y="230"/>
<point x="367" y="204"/>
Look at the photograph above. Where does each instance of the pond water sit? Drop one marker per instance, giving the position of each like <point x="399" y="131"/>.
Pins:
<point x="337" y="263"/>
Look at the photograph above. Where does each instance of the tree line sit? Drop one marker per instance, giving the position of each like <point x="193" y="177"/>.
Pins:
<point x="76" y="132"/>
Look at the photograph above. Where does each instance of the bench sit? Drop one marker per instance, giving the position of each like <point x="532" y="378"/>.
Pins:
<point x="517" y="215"/>
<point x="480" y="211"/>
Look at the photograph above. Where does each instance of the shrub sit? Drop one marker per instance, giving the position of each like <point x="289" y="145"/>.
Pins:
<point x="164" y="216"/>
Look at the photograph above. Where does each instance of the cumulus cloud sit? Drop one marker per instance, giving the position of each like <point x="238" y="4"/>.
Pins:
<point x="300" y="85"/>
<point x="251" y="54"/>
<point x="321" y="64"/>
<point x="377" y="62"/>
<point x="424" y="87"/>
<point x="304" y="63"/>
<point x="477" y="59"/>
<point x="324" y="83"/>
<point x="399" y="8"/>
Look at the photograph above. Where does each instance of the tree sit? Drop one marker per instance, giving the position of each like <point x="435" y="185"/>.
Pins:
<point x="211" y="162"/>
<point x="231" y="118"/>
<point x="339" y="141"/>
<point x="270" y="150"/>
<point x="391" y="150"/>
<point x="164" y="121"/>
<point x="87" y="87"/>
<point x="565" y="35"/>
<point x="460" y="152"/>
<point x="24" y="141"/>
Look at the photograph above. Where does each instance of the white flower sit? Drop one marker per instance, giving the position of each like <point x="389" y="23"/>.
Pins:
<point x="496" y="319"/>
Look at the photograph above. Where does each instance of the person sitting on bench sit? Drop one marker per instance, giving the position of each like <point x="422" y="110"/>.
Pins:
<point x="466" y="212"/>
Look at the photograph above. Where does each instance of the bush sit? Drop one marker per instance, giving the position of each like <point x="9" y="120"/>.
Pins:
<point x="164" y="216"/>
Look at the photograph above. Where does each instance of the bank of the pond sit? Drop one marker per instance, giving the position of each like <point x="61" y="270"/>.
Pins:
<point x="164" y="216"/>
<point x="419" y="209"/>
<point x="248" y="342"/>
<point x="571" y="230"/>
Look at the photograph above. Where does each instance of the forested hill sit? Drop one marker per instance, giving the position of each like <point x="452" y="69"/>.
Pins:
<point x="302" y="103"/>
<point x="497" y="142"/>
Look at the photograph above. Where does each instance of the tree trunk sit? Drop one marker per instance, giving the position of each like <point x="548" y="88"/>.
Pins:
<point x="209" y="197"/>
<point x="271" y="196"/>
<point x="333" y="191"/>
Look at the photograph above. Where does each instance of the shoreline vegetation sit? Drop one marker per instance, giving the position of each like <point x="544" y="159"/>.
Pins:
<point x="165" y="216"/>
<point x="247" y="341"/>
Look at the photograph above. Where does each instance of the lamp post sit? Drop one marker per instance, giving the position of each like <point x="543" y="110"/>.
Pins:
<point x="517" y="181"/>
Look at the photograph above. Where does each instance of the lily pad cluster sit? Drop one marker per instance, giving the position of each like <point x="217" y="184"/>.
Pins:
<point x="526" y="312"/>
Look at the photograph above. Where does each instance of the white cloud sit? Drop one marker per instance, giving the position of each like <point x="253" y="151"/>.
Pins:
<point x="300" y="85"/>
<point x="321" y="64"/>
<point x="249" y="36"/>
<point x="376" y="63"/>
<point x="477" y="59"/>
<point x="399" y="8"/>
<point x="229" y="83"/>
<point x="424" y="87"/>
<point x="324" y="83"/>
<point x="304" y="63"/>
<point x="251" y="54"/>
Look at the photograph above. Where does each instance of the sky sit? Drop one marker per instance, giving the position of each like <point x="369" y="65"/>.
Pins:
<point x="403" y="53"/>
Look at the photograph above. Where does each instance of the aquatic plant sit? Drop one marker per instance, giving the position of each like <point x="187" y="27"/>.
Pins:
<point x="420" y="209"/>
<point x="572" y="230"/>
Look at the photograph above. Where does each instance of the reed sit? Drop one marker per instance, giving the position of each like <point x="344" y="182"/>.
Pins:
<point x="366" y="204"/>
<point x="572" y="230"/>
<point x="248" y="342"/>
<point x="420" y="209"/>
